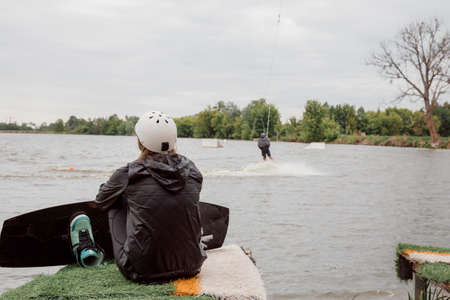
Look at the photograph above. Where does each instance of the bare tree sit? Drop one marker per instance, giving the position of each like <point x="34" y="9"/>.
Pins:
<point x="420" y="59"/>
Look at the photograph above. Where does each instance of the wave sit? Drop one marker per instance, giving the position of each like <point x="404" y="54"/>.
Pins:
<point x="71" y="175"/>
<point x="15" y="175"/>
<point x="76" y="170"/>
<point x="269" y="168"/>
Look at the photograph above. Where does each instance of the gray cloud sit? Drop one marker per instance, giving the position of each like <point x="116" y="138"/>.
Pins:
<point x="99" y="57"/>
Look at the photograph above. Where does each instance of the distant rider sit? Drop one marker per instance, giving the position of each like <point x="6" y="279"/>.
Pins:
<point x="264" y="145"/>
<point x="153" y="207"/>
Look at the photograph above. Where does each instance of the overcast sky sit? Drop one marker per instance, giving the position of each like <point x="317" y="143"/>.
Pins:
<point x="99" y="57"/>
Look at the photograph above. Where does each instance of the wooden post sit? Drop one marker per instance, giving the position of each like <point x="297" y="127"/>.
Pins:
<point x="419" y="287"/>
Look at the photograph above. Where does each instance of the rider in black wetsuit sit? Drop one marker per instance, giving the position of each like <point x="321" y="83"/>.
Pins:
<point x="264" y="144"/>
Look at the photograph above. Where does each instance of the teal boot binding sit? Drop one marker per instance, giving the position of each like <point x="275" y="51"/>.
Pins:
<point x="83" y="245"/>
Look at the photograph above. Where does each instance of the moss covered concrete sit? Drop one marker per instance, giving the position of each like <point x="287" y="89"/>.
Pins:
<point x="436" y="272"/>
<point x="103" y="282"/>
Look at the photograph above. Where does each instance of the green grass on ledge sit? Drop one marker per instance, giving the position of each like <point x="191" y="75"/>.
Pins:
<point x="104" y="282"/>
<point x="402" y="247"/>
<point x="437" y="272"/>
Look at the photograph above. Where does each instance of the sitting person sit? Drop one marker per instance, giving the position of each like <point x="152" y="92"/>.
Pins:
<point x="153" y="208"/>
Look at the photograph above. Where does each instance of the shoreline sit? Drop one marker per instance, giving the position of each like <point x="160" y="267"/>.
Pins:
<point x="405" y="141"/>
<point x="393" y="141"/>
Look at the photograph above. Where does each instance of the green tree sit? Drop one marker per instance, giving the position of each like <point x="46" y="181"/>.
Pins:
<point x="100" y="126"/>
<point x="391" y="124"/>
<point x="442" y="112"/>
<point x="330" y="129"/>
<point x="345" y="116"/>
<point x="203" y="126"/>
<point x="420" y="59"/>
<point x="289" y="129"/>
<point x="237" y="128"/>
<point x="185" y="126"/>
<point x="58" y="126"/>
<point x="405" y="114"/>
<point x="14" y="126"/>
<point x="257" y="116"/>
<point x="361" y="120"/>
<point x="373" y="123"/>
<point x="130" y="123"/>
<point x="223" y="125"/>
<point x="246" y="131"/>
<point x="420" y="126"/>
<point x="228" y="108"/>
<point x="218" y="121"/>
<point x="43" y="126"/>
<point x="314" y="115"/>
<point x="112" y="125"/>
<point x="71" y="123"/>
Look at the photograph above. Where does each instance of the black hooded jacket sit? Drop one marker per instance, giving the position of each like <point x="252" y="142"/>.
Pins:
<point x="160" y="228"/>
<point x="263" y="142"/>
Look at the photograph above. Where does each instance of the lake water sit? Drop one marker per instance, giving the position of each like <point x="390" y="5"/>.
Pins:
<point x="322" y="224"/>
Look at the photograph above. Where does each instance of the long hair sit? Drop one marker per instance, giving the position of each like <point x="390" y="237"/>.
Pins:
<point x="150" y="155"/>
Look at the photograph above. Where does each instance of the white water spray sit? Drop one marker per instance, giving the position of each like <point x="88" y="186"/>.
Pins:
<point x="269" y="168"/>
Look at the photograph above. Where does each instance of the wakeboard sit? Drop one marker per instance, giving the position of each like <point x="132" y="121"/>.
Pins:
<point x="41" y="238"/>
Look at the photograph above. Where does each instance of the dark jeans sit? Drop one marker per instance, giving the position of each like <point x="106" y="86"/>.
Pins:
<point x="265" y="152"/>
<point x="117" y="216"/>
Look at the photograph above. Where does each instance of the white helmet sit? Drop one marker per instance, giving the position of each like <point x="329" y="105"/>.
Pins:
<point x="157" y="132"/>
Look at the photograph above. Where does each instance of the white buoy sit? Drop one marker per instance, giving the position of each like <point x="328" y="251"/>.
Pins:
<point x="212" y="143"/>
<point x="319" y="146"/>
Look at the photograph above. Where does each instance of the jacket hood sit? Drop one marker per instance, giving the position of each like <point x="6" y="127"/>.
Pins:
<point x="170" y="171"/>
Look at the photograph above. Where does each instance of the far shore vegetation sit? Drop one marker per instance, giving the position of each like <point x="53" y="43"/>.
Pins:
<point x="321" y="122"/>
<point x="418" y="58"/>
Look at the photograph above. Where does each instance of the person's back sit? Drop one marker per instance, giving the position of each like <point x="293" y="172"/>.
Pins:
<point x="263" y="145"/>
<point x="154" y="213"/>
<point x="263" y="142"/>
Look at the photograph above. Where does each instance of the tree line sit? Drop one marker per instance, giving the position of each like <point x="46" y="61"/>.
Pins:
<point x="324" y="122"/>
<point x="320" y="122"/>
<point x="419" y="58"/>
<point x="112" y="125"/>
